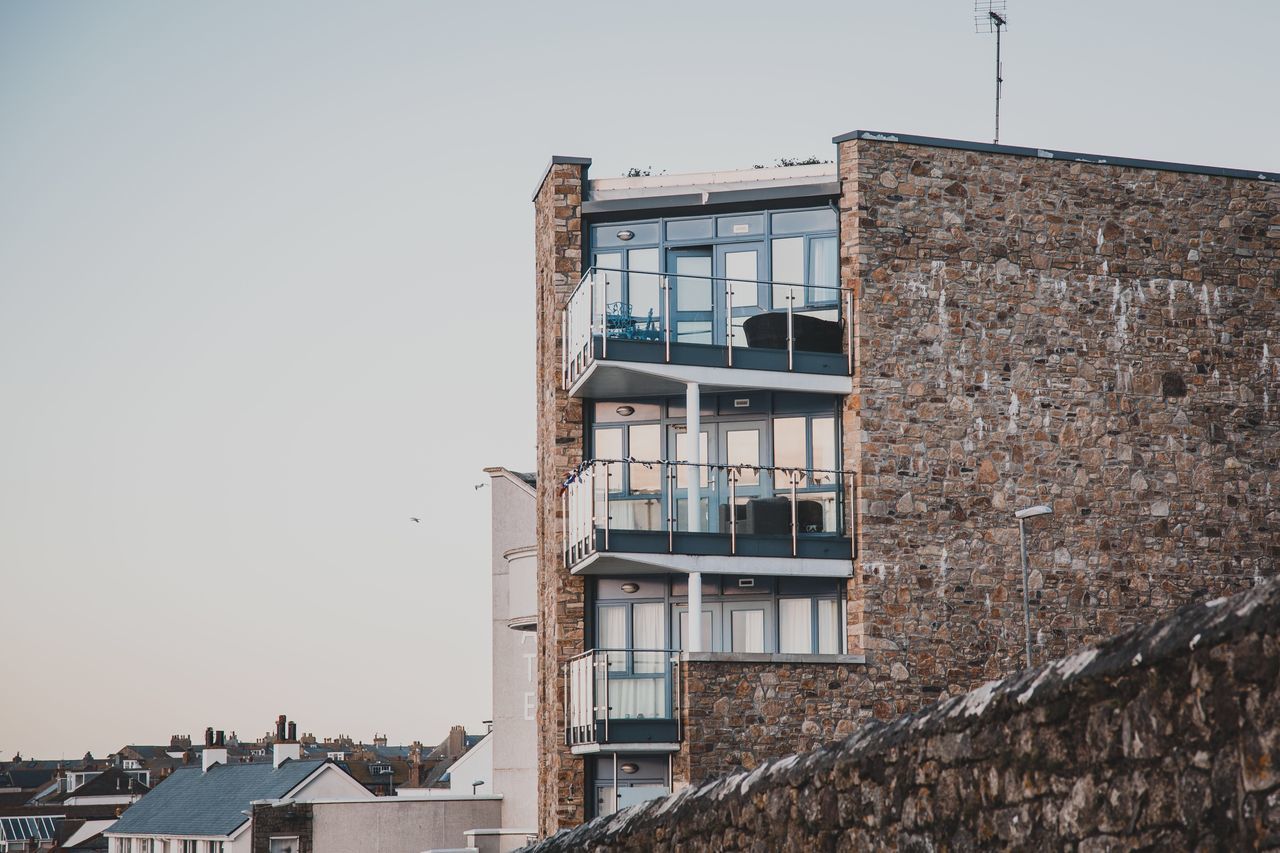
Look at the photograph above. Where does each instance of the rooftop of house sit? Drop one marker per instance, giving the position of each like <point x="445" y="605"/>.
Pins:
<point x="195" y="802"/>
<point x="113" y="782"/>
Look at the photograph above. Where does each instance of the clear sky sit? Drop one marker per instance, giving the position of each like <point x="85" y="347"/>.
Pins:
<point x="266" y="291"/>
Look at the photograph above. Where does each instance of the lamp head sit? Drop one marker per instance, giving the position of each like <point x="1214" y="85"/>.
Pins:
<point x="1033" y="511"/>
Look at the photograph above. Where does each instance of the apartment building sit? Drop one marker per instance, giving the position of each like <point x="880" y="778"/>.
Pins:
<point x="786" y="416"/>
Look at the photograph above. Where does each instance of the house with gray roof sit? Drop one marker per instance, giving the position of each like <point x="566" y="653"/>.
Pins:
<point x="206" y="809"/>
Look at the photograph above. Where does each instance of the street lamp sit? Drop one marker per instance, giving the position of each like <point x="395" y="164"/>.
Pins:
<point x="1022" y="515"/>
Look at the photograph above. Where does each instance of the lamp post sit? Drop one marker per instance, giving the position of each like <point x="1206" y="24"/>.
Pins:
<point x="1022" y="515"/>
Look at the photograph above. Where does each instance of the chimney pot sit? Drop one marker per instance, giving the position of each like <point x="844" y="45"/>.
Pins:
<point x="293" y="732"/>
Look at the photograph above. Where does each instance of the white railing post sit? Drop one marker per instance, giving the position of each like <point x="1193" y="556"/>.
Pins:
<point x="791" y="301"/>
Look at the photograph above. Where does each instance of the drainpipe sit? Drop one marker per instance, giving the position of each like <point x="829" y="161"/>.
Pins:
<point x="693" y="438"/>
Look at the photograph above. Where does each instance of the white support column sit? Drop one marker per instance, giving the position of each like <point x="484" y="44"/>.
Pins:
<point x="695" y="612"/>
<point x="693" y="440"/>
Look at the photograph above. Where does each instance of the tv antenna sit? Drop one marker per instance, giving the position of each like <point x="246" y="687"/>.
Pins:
<point x="990" y="16"/>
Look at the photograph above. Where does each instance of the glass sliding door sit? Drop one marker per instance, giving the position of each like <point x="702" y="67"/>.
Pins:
<point x="742" y="447"/>
<point x="693" y="296"/>
<point x="749" y="627"/>
<point x="739" y="265"/>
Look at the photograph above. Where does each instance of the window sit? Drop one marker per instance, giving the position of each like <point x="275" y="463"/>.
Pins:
<point x="189" y="846"/>
<point x="215" y="847"/>
<point x="809" y="626"/>
<point x="125" y="846"/>
<point x="283" y="845"/>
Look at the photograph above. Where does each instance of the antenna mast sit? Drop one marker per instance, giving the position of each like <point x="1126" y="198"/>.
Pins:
<point x="990" y="16"/>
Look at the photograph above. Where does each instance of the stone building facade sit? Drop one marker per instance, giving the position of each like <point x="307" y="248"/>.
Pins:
<point x="1022" y="327"/>
<point x="1097" y="337"/>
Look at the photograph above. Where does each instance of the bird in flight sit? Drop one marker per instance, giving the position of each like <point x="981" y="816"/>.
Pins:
<point x="415" y="520"/>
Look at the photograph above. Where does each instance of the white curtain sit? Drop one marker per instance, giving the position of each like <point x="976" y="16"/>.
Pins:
<point x="828" y="627"/>
<point x="637" y="697"/>
<point x="795" y="626"/>
<point x="748" y="631"/>
<point x="646" y="633"/>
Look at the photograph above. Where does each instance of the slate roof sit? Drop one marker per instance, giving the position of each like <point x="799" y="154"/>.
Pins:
<point x="192" y="802"/>
<point x="110" y="783"/>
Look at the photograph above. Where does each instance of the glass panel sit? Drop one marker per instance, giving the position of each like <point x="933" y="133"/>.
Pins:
<point x="737" y="226"/>
<point x="682" y="455"/>
<point x="611" y="632"/>
<point x="797" y="221"/>
<point x="823" y="269"/>
<point x="741" y="270"/>
<point x="816" y="512"/>
<point x="742" y="447"/>
<point x="795" y="626"/>
<point x="608" y="445"/>
<point x="747" y="631"/>
<point x="824" y="450"/>
<point x="632" y="514"/>
<point x="693" y="331"/>
<point x="606" y="801"/>
<point x="609" y="263"/>
<point x="646" y="445"/>
<point x="707" y="629"/>
<point x="690" y="229"/>
<point x="788" y="268"/>
<point x="644" y="294"/>
<point x="647" y="631"/>
<point x="629" y="795"/>
<point x="693" y="294"/>
<point x="788" y="442"/>
<point x="828" y="627"/>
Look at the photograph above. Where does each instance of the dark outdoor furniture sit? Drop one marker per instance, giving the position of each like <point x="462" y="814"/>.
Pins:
<point x="772" y="516"/>
<point x="769" y="331"/>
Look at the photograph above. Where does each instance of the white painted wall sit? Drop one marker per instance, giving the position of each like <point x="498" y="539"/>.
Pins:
<point x="514" y="561"/>
<point x="475" y="766"/>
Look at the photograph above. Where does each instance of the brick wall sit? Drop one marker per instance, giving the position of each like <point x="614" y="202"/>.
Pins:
<point x="293" y="819"/>
<point x="1167" y="738"/>
<point x="558" y="258"/>
<point x="1101" y="339"/>
<point x="736" y="712"/>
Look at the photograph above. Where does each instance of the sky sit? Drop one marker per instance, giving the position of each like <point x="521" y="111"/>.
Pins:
<point x="266" y="292"/>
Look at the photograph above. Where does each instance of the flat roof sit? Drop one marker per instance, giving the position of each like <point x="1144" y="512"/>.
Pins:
<point x="701" y="189"/>
<point x="1055" y="154"/>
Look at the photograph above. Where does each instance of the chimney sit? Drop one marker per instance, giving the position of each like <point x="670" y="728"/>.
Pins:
<point x="285" y="749"/>
<point x="215" y="752"/>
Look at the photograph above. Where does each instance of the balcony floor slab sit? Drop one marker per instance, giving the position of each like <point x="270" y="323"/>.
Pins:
<point x="610" y="379"/>
<point x="634" y="562"/>
<point x="610" y="748"/>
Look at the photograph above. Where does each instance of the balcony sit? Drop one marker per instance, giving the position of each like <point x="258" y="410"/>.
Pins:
<point x="632" y="333"/>
<point x="627" y="699"/>
<point x="753" y="519"/>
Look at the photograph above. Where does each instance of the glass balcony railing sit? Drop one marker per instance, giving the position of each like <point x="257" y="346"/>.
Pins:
<point x="744" y="510"/>
<point x="706" y="320"/>
<point x="622" y="696"/>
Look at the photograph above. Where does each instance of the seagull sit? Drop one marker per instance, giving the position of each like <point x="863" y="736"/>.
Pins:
<point x="415" y="520"/>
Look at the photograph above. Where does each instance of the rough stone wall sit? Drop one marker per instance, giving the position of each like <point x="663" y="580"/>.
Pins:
<point x="558" y="259"/>
<point x="1165" y="738"/>
<point x="1098" y="338"/>
<point x="293" y="819"/>
<point x="737" y="714"/>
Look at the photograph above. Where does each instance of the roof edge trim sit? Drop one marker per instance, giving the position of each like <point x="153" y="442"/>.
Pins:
<point x="1055" y="154"/>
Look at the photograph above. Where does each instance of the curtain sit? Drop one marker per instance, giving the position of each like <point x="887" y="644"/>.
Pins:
<point x="647" y="633"/>
<point x="637" y="697"/>
<point x="795" y="626"/>
<point x="828" y="626"/>
<point x="748" y="631"/>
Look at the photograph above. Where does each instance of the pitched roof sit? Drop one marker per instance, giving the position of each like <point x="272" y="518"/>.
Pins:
<point x="193" y="802"/>
<point x="110" y="783"/>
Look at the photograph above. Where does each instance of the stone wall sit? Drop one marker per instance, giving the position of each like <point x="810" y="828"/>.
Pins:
<point x="1102" y="339"/>
<point x="737" y="711"/>
<point x="1164" y="738"/>
<point x="558" y="259"/>
<point x="293" y="819"/>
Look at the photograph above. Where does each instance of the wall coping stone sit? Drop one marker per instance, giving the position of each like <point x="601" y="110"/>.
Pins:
<point x="746" y="657"/>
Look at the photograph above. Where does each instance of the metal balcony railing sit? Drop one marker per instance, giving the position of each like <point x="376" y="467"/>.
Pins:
<point x="673" y="311"/>
<point x="622" y="695"/>
<point x="739" y="503"/>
